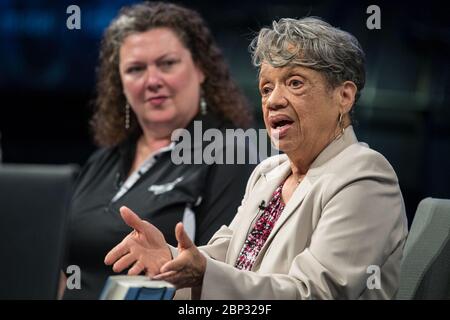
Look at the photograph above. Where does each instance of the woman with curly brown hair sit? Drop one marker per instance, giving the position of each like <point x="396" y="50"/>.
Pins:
<point x="160" y="70"/>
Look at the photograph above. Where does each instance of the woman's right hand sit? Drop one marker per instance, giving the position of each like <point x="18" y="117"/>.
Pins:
<point x="145" y="248"/>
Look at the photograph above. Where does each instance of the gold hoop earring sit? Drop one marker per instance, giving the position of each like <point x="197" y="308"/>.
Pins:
<point x="341" y="123"/>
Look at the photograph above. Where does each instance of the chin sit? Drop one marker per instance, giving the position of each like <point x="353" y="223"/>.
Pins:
<point x="160" y="119"/>
<point x="286" y="146"/>
<point x="156" y="116"/>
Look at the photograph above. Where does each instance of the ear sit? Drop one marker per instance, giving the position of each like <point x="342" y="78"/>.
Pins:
<point x="346" y="98"/>
<point x="200" y="74"/>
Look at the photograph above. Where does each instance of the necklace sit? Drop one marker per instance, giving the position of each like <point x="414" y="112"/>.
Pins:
<point x="297" y="180"/>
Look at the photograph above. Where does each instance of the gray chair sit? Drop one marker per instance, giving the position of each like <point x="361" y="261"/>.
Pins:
<point x="33" y="200"/>
<point x="425" y="269"/>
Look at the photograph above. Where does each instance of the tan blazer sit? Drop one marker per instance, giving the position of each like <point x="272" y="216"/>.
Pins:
<point x="343" y="229"/>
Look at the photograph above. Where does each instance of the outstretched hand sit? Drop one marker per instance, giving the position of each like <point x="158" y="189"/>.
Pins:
<point x="144" y="249"/>
<point x="188" y="268"/>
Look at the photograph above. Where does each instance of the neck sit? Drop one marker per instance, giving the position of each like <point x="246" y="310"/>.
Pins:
<point x="299" y="166"/>
<point x="301" y="161"/>
<point x="148" y="143"/>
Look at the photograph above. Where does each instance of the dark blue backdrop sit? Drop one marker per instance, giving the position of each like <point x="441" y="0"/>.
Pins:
<point x="47" y="75"/>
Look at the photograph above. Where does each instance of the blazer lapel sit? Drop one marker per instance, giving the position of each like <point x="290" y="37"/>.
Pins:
<point x="262" y="191"/>
<point x="296" y="199"/>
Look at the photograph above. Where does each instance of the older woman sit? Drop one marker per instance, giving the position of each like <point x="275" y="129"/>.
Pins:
<point x="160" y="70"/>
<point x="326" y="220"/>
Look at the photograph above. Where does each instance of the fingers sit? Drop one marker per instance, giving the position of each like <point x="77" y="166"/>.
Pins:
<point x="132" y="219"/>
<point x="173" y="277"/>
<point x="124" y="262"/>
<point x="118" y="251"/>
<point x="136" y="269"/>
<point x="165" y="275"/>
<point x="184" y="242"/>
<point x="178" y="279"/>
<point x="183" y="239"/>
<point x="174" y="265"/>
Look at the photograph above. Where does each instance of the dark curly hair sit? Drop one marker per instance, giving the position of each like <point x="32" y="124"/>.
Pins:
<point x="220" y="92"/>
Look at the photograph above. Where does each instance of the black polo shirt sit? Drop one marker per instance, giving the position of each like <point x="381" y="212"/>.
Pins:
<point x="161" y="195"/>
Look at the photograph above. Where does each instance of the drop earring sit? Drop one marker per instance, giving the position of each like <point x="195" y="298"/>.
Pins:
<point x="203" y="106"/>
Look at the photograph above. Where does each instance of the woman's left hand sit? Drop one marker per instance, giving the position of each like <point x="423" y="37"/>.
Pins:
<point x="188" y="268"/>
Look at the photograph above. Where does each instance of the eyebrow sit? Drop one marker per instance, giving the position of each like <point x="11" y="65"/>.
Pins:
<point x="164" y="56"/>
<point x="291" y="71"/>
<point x="134" y="61"/>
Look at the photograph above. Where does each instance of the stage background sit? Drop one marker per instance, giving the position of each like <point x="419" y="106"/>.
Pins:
<point x="47" y="76"/>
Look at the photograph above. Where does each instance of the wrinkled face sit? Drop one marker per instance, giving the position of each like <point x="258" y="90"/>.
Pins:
<point x="300" y="111"/>
<point x="160" y="80"/>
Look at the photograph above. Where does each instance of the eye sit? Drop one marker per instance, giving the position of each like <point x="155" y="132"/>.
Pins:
<point x="265" y="90"/>
<point x="295" y="83"/>
<point x="134" y="69"/>
<point x="167" y="64"/>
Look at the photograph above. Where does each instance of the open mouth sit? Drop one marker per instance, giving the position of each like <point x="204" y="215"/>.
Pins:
<point x="279" y="121"/>
<point x="280" y="125"/>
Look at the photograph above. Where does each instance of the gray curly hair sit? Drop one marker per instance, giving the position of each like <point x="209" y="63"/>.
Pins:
<point x="313" y="43"/>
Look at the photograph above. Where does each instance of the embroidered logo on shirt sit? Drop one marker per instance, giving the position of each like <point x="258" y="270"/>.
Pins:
<point x="161" y="188"/>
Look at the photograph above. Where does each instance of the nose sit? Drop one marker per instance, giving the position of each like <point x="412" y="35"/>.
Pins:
<point x="277" y="99"/>
<point x="153" y="81"/>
